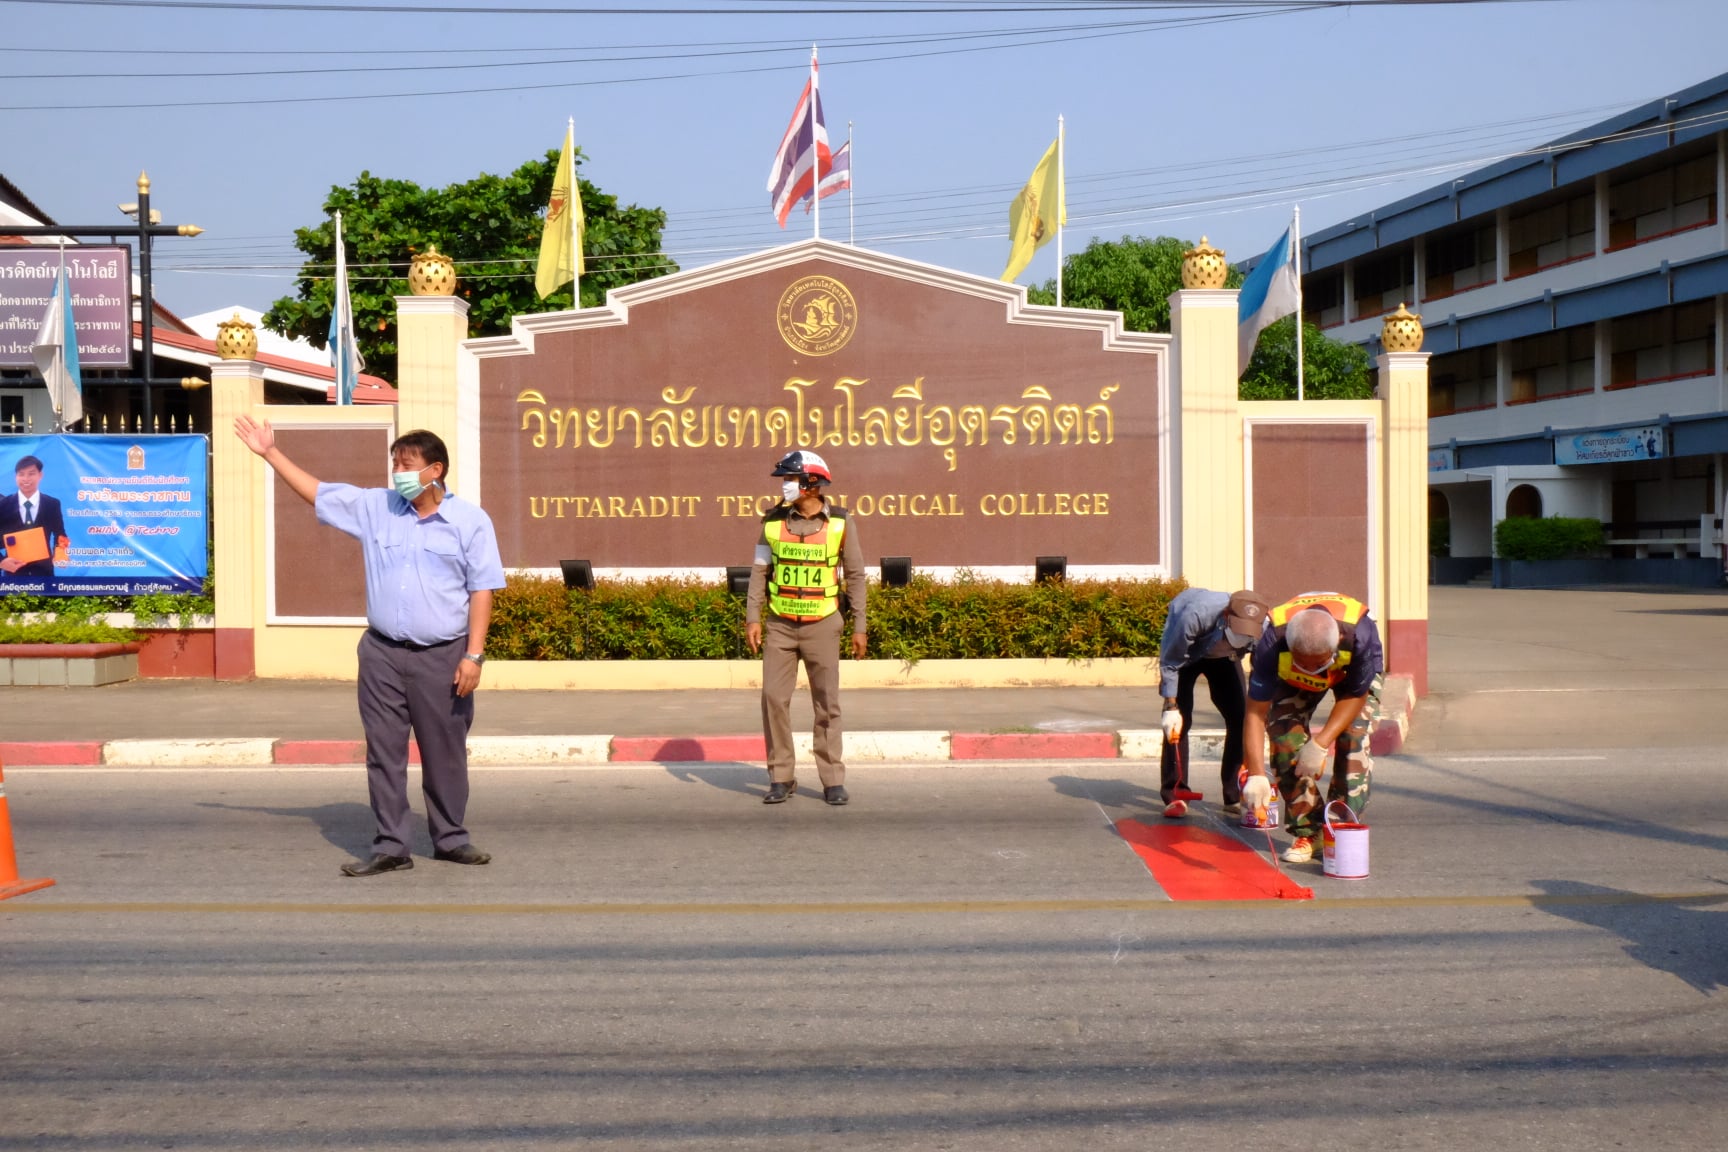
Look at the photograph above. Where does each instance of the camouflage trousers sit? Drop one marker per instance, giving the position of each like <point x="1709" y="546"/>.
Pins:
<point x="1287" y="730"/>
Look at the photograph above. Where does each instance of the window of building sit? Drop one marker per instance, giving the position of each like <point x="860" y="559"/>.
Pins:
<point x="1552" y="234"/>
<point x="1676" y="197"/>
<point x="1663" y="344"/>
<point x="1462" y="381"/>
<point x="1323" y="298"/>
<point x="1524" y="501"/>
<point x="1553" y="365"/>
<point x="1458" y="261"/>
<point x="1385" y="281"/>
<point x="11" y="414"/>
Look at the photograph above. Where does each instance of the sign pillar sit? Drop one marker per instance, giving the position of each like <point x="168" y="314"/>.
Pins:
<point x="1206" y="427"/>
<point x="1403" y="388"/>
<point x="430" y="325"/>
<point x="237" y="494"/>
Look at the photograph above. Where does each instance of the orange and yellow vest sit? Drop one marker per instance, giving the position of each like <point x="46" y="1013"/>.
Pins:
<point x="802" y="583"/>
<point x="1346" y="611"/>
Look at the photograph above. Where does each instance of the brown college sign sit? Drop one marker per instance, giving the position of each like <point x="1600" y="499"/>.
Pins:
<point x="963" y="428"/>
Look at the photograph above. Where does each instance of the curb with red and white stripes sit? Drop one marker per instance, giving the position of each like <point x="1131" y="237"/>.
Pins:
<point x="887" y="746"/>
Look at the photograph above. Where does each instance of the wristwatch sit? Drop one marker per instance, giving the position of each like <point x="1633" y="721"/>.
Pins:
<point x="477" y="657"/>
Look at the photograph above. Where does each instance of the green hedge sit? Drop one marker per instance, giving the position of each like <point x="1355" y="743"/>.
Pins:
<point x="1439" y="537"/>
<point x="1554" y="538"/>
<point x="967" y="619"/>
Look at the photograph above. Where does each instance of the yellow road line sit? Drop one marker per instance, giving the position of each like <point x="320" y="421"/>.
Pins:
<point x="849" y="908"/>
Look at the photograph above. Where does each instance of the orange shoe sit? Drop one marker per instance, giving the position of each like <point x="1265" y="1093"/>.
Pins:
<point x="1301" y="851"/>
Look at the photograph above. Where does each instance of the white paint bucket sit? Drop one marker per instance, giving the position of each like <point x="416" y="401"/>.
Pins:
<point x="1344" y="845"/>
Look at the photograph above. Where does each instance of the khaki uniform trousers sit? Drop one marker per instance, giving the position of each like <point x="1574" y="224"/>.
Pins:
<point x="816" y="643"/>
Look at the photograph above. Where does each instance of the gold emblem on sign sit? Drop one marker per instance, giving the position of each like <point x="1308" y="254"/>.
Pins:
<point x="817" y="315"/>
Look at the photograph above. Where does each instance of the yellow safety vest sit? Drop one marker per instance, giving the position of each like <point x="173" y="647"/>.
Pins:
<point x="802" y="583"/>
<point x="1346" y="611"/>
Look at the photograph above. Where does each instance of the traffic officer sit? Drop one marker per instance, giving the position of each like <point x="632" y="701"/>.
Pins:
<point x="1316" y="643"/>
<point x="1206" y="634"/>
<point x="806" y="545"/>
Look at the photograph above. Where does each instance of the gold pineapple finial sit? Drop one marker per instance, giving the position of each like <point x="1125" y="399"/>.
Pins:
<point x="1204" y="267"/>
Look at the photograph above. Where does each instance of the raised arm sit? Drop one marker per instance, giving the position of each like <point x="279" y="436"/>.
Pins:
<point x="261" y="438"/>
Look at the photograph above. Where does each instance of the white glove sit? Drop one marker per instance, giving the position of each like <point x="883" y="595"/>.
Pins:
<point x="1171" y="722"/>
<point x="1257" y="793"/>
<point x="1311" y="759"/>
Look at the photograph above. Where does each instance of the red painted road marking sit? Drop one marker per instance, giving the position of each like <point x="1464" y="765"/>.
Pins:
<point x="61" y="752"/>
<point x="686" y="749"/>
<point x="1192" y="863"/>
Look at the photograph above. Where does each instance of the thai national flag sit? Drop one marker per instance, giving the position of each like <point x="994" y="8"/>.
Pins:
<point x="838" y="178"/>
<point x="804" y="156"/>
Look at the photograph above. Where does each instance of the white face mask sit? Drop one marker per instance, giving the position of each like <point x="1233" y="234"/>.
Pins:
<point x="1238" y="641"/>
<point x="790" y="491"/>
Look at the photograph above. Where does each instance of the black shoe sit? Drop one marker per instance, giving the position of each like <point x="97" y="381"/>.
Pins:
<point x="378" y="863"/>
<point x="780" y="793"/>
<point x="463" y="854"/>
<point x="835" y="795"/>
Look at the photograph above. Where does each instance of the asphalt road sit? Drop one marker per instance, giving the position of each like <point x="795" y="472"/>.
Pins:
<point x="967" y="957"/>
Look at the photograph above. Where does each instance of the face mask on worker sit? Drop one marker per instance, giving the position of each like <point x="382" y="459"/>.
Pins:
<point x="1237" y="640"/>
<point x="790" y="491"/>
<point x="1324" y="662"/>
<point x="407" y="484"/>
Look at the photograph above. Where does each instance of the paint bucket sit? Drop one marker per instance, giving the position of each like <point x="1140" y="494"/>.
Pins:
<point x="1344" y="846"/>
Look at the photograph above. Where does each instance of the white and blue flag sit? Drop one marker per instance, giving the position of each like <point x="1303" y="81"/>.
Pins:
<point x="55" y="351"/>
<point x="344" y="350"/>
<point x="1273" y="290"/>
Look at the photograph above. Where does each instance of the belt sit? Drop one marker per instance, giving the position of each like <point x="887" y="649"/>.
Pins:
<point x="408" y="645"/>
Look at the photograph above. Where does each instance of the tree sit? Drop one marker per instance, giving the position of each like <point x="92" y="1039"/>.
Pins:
<point x="1331" y="369"/>
<point x="490" y="226"/>
<point x="1136" y="276"/>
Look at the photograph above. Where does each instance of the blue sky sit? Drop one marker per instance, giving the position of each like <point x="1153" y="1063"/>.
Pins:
<point x="1182" y="130"/>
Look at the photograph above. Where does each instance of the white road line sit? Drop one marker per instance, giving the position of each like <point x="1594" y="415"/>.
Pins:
<point x="1516" y="759"/>
<point x="1616" y="689"/>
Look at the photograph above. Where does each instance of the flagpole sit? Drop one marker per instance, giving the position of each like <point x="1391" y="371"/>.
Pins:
<point x="1061" y="207"/>
<point x="851" y="154"/>
<point x="1296" y="255"/>
<point x="815" y="145"/>
<point x="575" y="231"/>
<point x="59" y="304"/>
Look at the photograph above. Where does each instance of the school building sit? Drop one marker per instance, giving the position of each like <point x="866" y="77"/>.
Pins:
<point x="1573" y="299"/>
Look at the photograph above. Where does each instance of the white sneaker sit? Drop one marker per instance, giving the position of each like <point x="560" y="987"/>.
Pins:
<point x="1301" y="851"/>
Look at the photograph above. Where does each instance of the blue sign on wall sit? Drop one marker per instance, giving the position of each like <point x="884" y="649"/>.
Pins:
<point x="104" y="515"/>
<point x="1647" y="443"/>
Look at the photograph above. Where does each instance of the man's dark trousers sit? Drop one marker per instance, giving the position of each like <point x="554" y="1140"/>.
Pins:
<point x="407" y="688"/>
<point x="1229" y="691"/>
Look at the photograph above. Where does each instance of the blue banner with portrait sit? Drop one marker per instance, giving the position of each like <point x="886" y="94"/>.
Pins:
<point x="104" y="515"/>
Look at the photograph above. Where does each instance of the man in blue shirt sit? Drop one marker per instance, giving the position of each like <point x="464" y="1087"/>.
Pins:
<point x="431" y="567"/>
<point x="1205" y="634"/>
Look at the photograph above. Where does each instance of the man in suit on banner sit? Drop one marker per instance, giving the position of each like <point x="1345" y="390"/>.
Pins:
<point x="33" y="524"/>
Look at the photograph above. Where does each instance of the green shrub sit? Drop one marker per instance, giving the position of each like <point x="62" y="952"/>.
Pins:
<point x="1554" y="538"/>
<point x="970" y="618"/>
<point x="63" y="630"/>
<point x="1439" y="537"/>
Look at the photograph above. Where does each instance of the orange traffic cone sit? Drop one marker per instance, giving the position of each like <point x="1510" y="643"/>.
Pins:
<point x="10" y="884"/>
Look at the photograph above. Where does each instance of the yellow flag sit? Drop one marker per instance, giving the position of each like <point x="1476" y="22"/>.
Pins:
<point x="1036" y="213"/>
<point x="561" y="241"/>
